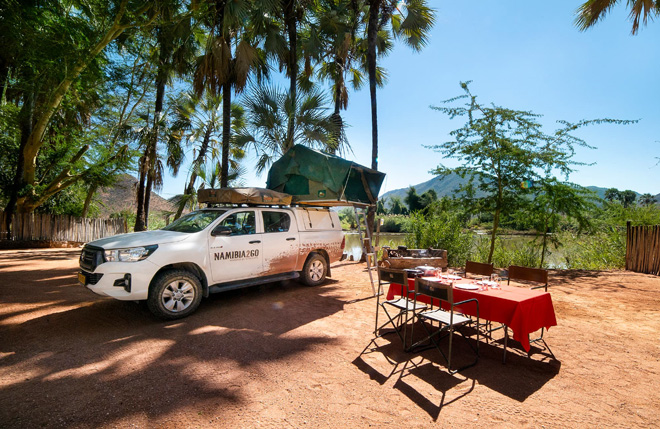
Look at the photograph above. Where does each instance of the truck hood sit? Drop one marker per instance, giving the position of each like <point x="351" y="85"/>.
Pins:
<point x="136" y="239"/>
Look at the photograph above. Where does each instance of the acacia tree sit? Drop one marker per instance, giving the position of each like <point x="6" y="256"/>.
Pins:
<point x="90" y="30"/>
<point x="504" y="148"/>
<point x="555" y="201"/>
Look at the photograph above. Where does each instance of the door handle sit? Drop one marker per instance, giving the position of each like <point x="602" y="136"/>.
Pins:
<point x="291" y="239"/>
<point x="255" y="241"/>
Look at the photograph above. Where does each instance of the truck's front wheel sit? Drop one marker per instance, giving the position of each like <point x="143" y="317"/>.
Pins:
<point x="174" y="294"/>
<point x="313" y="273"/>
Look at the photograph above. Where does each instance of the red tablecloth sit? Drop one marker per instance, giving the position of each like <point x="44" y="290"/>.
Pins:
<point x="521" y="309"/>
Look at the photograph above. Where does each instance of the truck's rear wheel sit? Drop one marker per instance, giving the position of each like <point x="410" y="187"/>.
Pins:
<point x="174" y="294"/>
<point x="314" y="270"/>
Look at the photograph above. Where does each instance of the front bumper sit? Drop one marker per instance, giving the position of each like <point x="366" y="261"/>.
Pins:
<point x="105" y="277"/>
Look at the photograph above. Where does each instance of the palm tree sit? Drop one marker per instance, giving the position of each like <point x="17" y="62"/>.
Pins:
<point x="175" y="48"/>
<point x="268" y="113"/>
<point x="592" y="11"/>
<point x="339" y="22"/>
<point x="196" y="123"/>
<point x="232" y="53"/>
<point x="647" y="200"/>
<point x="410" y="21"/>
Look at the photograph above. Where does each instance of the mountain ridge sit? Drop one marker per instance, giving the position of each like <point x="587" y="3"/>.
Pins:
<point x="448" y="186"/>
<point x="121" y="197"/>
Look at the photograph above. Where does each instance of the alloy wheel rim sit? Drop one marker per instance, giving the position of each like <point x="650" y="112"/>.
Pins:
<point x="178" y="296"/>
<point x="316" y="270"/>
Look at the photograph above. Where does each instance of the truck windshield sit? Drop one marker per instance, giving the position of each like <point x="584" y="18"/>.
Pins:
<point x="195" y="221"/>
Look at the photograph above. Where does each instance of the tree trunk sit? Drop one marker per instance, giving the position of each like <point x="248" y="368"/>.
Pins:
<point x="30" y="149"/>
<point x="26" y="117"/>
<point x="372" y="32"/>
<point x="336" y="115"/>
<point x="190" y="188"/>
<point x="226" y="134"/>
<point x="150" y="151"/>
<point x="496" y="224"/>
<point x="545" y="240"/>
<point x="139" y="214"/>
<point x="88" y="199"/>
<point x="290" y="19"/>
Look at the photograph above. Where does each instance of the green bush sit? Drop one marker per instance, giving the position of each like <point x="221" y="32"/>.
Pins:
<point x="526" y="255"/>
<point x="394" y="223"/>
<point x="443" y="231"/>
<point x="603" y="250"/>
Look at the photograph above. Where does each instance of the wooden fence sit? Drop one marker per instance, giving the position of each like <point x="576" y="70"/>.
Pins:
<point x="643" y="249"/>
<point x="52" y="228"/>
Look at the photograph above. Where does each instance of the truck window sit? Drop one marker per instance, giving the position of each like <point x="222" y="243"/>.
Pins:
<point x="195" y="221"/>
<point x="241" y="223"/>
<point x="276" y="221"/>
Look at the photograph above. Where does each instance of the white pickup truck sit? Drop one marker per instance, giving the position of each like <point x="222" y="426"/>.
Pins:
<point x="213" y="250"/>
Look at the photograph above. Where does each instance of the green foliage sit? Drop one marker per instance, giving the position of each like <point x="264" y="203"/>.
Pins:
<point x="347" y="218"/>
<point x="526" y="255"/>
<point x="647" y="200"/>
<point x="412" y="200"/>
<point x="603" y="250"/>
<point x="504" y="149"/>
<point x="268" y="111"/>
<point x="626" y="198"/>
<point x="616" y="215"/>
<point x="442" y="231"/>
<point x="394" y="223"/>
<point x="397" y="207"/>
<point x="156" y="221"/>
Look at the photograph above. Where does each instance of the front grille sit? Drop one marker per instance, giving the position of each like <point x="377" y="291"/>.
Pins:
<point x="91" y="257"/>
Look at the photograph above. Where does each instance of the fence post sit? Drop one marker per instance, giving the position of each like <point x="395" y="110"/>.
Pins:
<point x="628" y="245"/>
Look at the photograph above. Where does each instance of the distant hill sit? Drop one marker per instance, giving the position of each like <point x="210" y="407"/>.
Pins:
<point x="448" y="186"/>
<point x="122" y="197"/>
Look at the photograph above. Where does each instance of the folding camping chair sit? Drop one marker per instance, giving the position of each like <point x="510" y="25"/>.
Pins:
<point x="401" y="306"/>
<point x="448" y="321"/>
<point x="539" y="278"/>
<point x="478" y="268"/>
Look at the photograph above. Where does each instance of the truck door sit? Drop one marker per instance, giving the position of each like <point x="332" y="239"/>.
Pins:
<point x="235" y="247"/>
<point x="280" y="241"/>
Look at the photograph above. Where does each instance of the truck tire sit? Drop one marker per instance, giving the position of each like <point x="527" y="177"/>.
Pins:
<point x="174" y="294"/>
<point x="314" y="270"/>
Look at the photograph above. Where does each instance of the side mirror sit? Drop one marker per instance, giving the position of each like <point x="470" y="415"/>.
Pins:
<point x="221" y="230"/>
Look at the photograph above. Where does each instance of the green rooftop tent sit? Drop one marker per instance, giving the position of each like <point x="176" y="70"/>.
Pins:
<point x="318" y="178"/>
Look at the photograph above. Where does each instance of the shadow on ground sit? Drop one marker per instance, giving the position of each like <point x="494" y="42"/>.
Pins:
<point x="384" y="360"/>
<point x="106" y="360"/>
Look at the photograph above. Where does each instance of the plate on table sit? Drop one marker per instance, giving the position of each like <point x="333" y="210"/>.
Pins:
<point x="467" y="286"/>
<point x="451" y="277"/>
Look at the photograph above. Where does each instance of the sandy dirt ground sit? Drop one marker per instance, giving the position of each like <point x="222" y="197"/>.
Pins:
<point x="285" y="355"/>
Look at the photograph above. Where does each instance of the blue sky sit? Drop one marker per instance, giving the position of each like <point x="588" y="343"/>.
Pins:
<point x="520" y="55"/>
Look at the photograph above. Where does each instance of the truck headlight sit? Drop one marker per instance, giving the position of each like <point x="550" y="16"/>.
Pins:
<point x="132" y="254"/>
